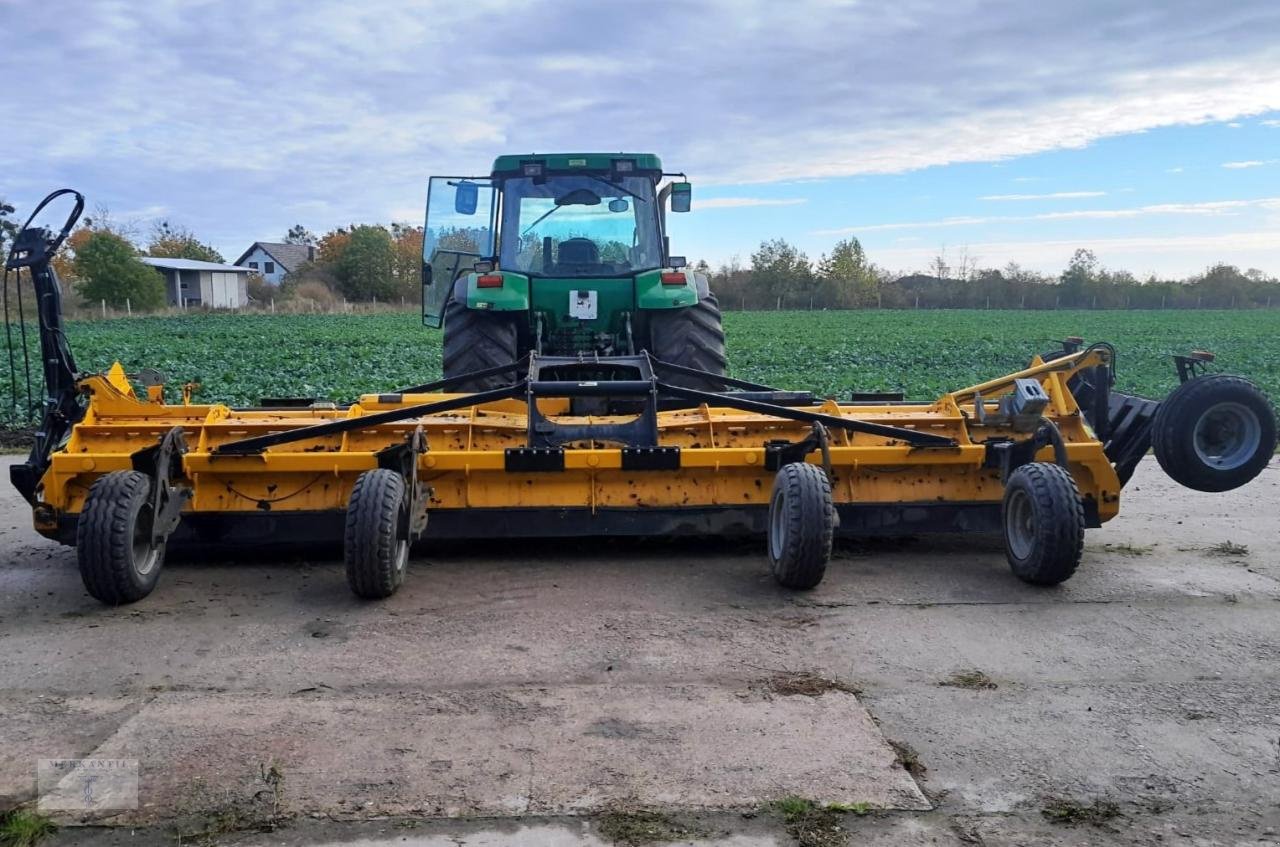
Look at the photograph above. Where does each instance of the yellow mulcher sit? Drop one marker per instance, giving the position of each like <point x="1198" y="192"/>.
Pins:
<point x="609" y="445"/>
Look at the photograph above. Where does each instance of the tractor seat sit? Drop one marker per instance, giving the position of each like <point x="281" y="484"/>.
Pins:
<point x="578" y="251"/>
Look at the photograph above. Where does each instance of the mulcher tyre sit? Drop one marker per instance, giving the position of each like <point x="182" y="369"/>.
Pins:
<point x="376" y="541"/>
<point x="802" y="521"/>
<point x="118" y="561"/>
<point x="1043" y="523"/>
<point x="692" y="337"/>
<point x="475" y="340"/>
<point x="1214" y="432"/>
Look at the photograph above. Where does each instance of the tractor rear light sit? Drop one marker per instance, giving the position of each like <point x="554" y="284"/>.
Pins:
<point x="674" y="279"/>
<point x="531" y="168"/>
<point x="489" y="281"/>
<point x="624" y="166"/>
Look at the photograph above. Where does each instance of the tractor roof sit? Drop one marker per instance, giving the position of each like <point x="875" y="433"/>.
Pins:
<point x="575" y="161"/>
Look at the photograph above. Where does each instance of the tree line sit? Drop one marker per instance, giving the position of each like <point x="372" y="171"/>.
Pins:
<point x="781" y="276"/>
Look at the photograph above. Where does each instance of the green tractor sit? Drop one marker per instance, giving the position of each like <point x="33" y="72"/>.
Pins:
<point x="564" y="255"/>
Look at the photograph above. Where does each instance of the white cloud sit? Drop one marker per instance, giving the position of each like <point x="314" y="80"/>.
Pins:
<point x="1251" y="163"/>
<point x="1174" y="170"/>
<point x="741" y="202"/>
<point x="1235" y="124"/>
<point x="174" y="103"/>
<point x="1271" y="123"/>
<point x="1172" y="256"/>
<point x="1057" y="195"/>
<point x="1207" y="208"/>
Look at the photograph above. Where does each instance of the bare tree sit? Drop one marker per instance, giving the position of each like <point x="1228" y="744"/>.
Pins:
<point x="939" y="264"/>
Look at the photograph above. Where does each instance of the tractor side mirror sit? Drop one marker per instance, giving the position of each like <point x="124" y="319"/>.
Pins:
<point x="466" y="197"/>
<point x="681" y="196"/>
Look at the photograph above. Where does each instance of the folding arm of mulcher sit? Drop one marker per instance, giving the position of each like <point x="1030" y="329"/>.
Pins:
<point x="611" y="446"/>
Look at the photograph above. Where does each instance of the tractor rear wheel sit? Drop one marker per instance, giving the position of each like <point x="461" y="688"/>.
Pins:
<point x="1214" y="433"/>
<point x="1043" y="523"/>
<point x="376" y="542"/>
<point x="802" y="520"/>
<point x="692" y="337"/>
<point x="475" y="340"/>
<point x="118" y="560"/>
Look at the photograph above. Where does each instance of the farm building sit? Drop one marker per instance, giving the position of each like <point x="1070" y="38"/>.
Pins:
<point x="188" y="282"/>
<point x="272" y="261"/>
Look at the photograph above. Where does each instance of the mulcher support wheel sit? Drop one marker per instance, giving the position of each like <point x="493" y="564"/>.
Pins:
<point x="802" y="521"/>
<point x="1043" y="523"/>
<point x="1214" y="433"/>
<point x="376" y="542"/>
<point x="119" y="560"/>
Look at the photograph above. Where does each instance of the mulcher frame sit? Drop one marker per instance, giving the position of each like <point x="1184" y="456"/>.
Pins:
<point x="549" y="455"/>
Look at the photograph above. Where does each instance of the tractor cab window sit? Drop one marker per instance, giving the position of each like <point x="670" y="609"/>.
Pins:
<point x="580" y="225"/>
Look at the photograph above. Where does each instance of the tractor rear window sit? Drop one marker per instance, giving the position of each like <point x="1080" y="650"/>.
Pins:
<point x="580" y="225"/>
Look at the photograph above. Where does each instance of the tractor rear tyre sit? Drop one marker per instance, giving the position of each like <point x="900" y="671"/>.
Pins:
<point x="1043" y="523"/>
<point x="475" y="340"/>
<point x="1214" y="433"/>
<point x="376" y="542"/>
<point x="802" y="521"/>
<point x="692" y="337"/>
<point x="119" y="563"/>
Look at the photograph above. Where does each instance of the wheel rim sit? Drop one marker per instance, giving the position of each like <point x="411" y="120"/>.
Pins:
<point x="777" y="526"/>
<point x="1227" y="435"/>
<point x="1019" y="524"/>
<point x="145" y="553"/>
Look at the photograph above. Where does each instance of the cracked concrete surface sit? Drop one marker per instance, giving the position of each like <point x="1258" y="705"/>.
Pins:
<point x="514" y="679"/>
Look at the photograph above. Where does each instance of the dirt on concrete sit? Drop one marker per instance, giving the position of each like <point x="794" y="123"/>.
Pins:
<point x="517" y="692"/>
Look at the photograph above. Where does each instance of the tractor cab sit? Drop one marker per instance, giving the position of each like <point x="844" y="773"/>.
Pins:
<point x="563" y="254"/>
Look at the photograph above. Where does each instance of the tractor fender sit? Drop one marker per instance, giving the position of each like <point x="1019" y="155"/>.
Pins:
<point x="511" y="296"/>
<point x="652" y="293"/>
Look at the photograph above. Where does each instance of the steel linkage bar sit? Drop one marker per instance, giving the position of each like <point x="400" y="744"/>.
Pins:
<point x="429" y="387"/>
<point x="246" y="446"/>
<point x="658" y="364"/>
<point x="912" y="436"/>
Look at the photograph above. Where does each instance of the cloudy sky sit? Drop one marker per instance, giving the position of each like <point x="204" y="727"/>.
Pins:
<point x="1148" y="130"/>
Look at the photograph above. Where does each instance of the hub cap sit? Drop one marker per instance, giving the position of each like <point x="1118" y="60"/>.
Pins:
<point x="777" y="526"/>
<point x="1227" y="435"/>
<point x="1019" y="524"/>
<point x="145" y="554"/>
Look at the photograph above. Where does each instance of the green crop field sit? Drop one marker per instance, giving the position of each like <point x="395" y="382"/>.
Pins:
<point x="239" y="358"/>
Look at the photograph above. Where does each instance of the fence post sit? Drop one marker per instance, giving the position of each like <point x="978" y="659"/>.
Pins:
<point x="104" y="308"/>
<point x="128" y="306"/>
<point x="273" y="305"/>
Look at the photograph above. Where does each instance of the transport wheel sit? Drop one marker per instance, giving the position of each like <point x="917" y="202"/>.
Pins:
<point x="1214" y="433"/>
<point x="376" y="542"/>
<point x="118" y="561"/>
<point x="802" y="520"/>
<point x="475" y="340"/>
<point x="692" y="337"/>
<point x="1043" y="523"/>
